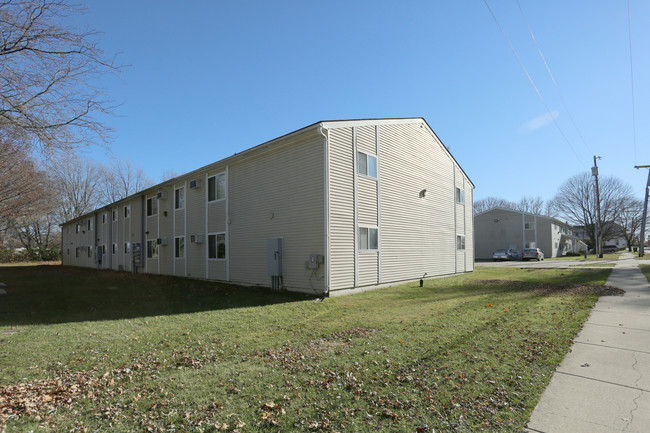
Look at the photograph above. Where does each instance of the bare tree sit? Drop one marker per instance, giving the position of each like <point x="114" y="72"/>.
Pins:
<point x="45" y="78"/>
<point x="629" y="221"/>
<point x="120" y="179"/>
<point x="74" y="184"/>
<point x="534" y="205"/>
<point x="488" y="203"/>
<point x="20" y="183"/>
<point x="576" y="202"/>
<point x="167" y="175"/>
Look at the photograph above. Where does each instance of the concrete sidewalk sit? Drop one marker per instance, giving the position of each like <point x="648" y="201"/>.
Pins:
<point x="603" y="384"/>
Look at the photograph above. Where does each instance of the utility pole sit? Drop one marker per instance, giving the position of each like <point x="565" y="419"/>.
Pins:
<point x="594" y="173"/>
<point x="645" y="212"/>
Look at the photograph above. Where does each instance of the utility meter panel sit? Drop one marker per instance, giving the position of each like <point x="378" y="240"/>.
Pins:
<point x="274" y="257"/>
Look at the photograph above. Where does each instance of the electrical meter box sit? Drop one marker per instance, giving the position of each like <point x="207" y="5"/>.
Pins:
<point x="274" y="257"/>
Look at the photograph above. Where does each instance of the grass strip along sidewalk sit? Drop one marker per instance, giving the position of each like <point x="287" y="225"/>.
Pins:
<point x="82" y="350"/>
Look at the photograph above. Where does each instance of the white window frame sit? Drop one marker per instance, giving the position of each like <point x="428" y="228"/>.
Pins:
<point x="179" y="198"/>
<point x="365" y="158"/>
<point x="154" y="254"/>
<point x="218" y="178"/>
<point x="530" y="245"/>
<point x="367" y="246"/>
<point x="179" y="247"/>
<point x="460" y="195"/>
<point x="77" y="227"/>
<point x="154" y="206"/>
<point x="127" y="211"/>
<point x="529" y="226"/>
<point x="127" y="247"/>
<point x="460" y="242"/>
<point x="215" y="236"/>
<point x="114" y="215"/>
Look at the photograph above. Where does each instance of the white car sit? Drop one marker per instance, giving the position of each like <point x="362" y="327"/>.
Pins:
<point x="533" y="254"/>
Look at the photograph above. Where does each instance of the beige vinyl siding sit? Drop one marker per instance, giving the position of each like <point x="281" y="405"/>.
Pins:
<point x="367" y="201"/>
<point x="195" y="201"/>
<point x="469" y="228"/>
<point x="151" y="224"/>
<point x="179" y="228"/>
<point x="417" y="234"/>
<point x="341" y="208"/>
<point x="460" y="218"/>
<point x="278" y="192"/>
<point x="217" y="268"/>
<point x="165" y="220"/>
<point x="366" y="140"/>
<point x="368" y="268"/>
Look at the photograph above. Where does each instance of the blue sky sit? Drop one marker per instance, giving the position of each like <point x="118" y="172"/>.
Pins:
<point x="207" y="79"/>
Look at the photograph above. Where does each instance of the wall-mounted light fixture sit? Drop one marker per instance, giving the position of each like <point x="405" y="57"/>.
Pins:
<point x="423" y="193"/>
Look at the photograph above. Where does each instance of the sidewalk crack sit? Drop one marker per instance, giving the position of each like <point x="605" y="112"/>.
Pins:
<point x="636" y="383"/>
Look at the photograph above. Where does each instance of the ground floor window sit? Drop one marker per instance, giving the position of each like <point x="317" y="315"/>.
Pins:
<point x="217" y="246"/>
<point x="152" y="249"/>
<point x="179" y="247"/>
<point x="460" y="242"/>
<point x="90" y="251"/>
<point x="127" y="247"/>
<point x="368" y="238"/>
<point x="114" y="248"/>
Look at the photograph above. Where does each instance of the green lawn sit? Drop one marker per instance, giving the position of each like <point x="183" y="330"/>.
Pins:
<point x="82" y="350"/>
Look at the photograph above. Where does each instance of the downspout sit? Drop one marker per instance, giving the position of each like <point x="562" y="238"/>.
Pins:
<point x="326" y="151"/>
<point x="143" y="245"/>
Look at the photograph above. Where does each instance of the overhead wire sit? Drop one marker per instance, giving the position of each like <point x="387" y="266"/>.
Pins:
<point x="557" y="125"/>
<point x="629" y="30"/>
<point x="557" y="89"/>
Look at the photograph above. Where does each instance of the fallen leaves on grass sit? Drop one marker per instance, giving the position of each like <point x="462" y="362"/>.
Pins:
<point x="555" y="288"/>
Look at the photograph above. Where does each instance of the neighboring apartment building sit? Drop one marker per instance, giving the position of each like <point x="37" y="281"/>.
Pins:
<point x="614" y="236"/>
<point x="334" y="206"/>
<point x="505" y="228"/>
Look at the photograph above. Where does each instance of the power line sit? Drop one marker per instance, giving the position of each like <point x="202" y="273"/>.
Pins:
<point x="539" y="50"/>
<point x="629" y="30"/>
<point x="557" y="125"/>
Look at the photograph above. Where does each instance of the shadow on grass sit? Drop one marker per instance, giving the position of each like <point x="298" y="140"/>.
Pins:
<point x="59" y="294"/>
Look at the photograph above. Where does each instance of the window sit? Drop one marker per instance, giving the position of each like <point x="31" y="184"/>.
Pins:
<point x="368" y="238"/>
<point x="179" y="198"/>
<point x="367" y="164"/>
<point x="217" y="187"/>
<point x="529" y="226"/>
<point x="90" y="251"/>
<point x="460" y="195"/>
<point x="217" y="246"/>
<point x="76" y="253"/>
<point x="68" y="252"/>
<point x="127" y="247"/>
<point x="152" y="249"/>
<point x="103" y="218"/>
<point x="90" y="224"/>
<point x="114" y="248"/>
<point x="76" y="229"/>
<point x="114" y="214"/>
<point x="104" y="249"/>
<point x="127" y="211"/>
<point x="530" y="245"/>
<point x="179" y="247"/>
<point x="460" y="242"/>
<point x="152" y="206"/>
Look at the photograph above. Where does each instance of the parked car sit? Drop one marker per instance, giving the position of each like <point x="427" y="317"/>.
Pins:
<point x="610" y="248"/>
<point x="533" y="254"/>
<point x="506" y="254"/>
